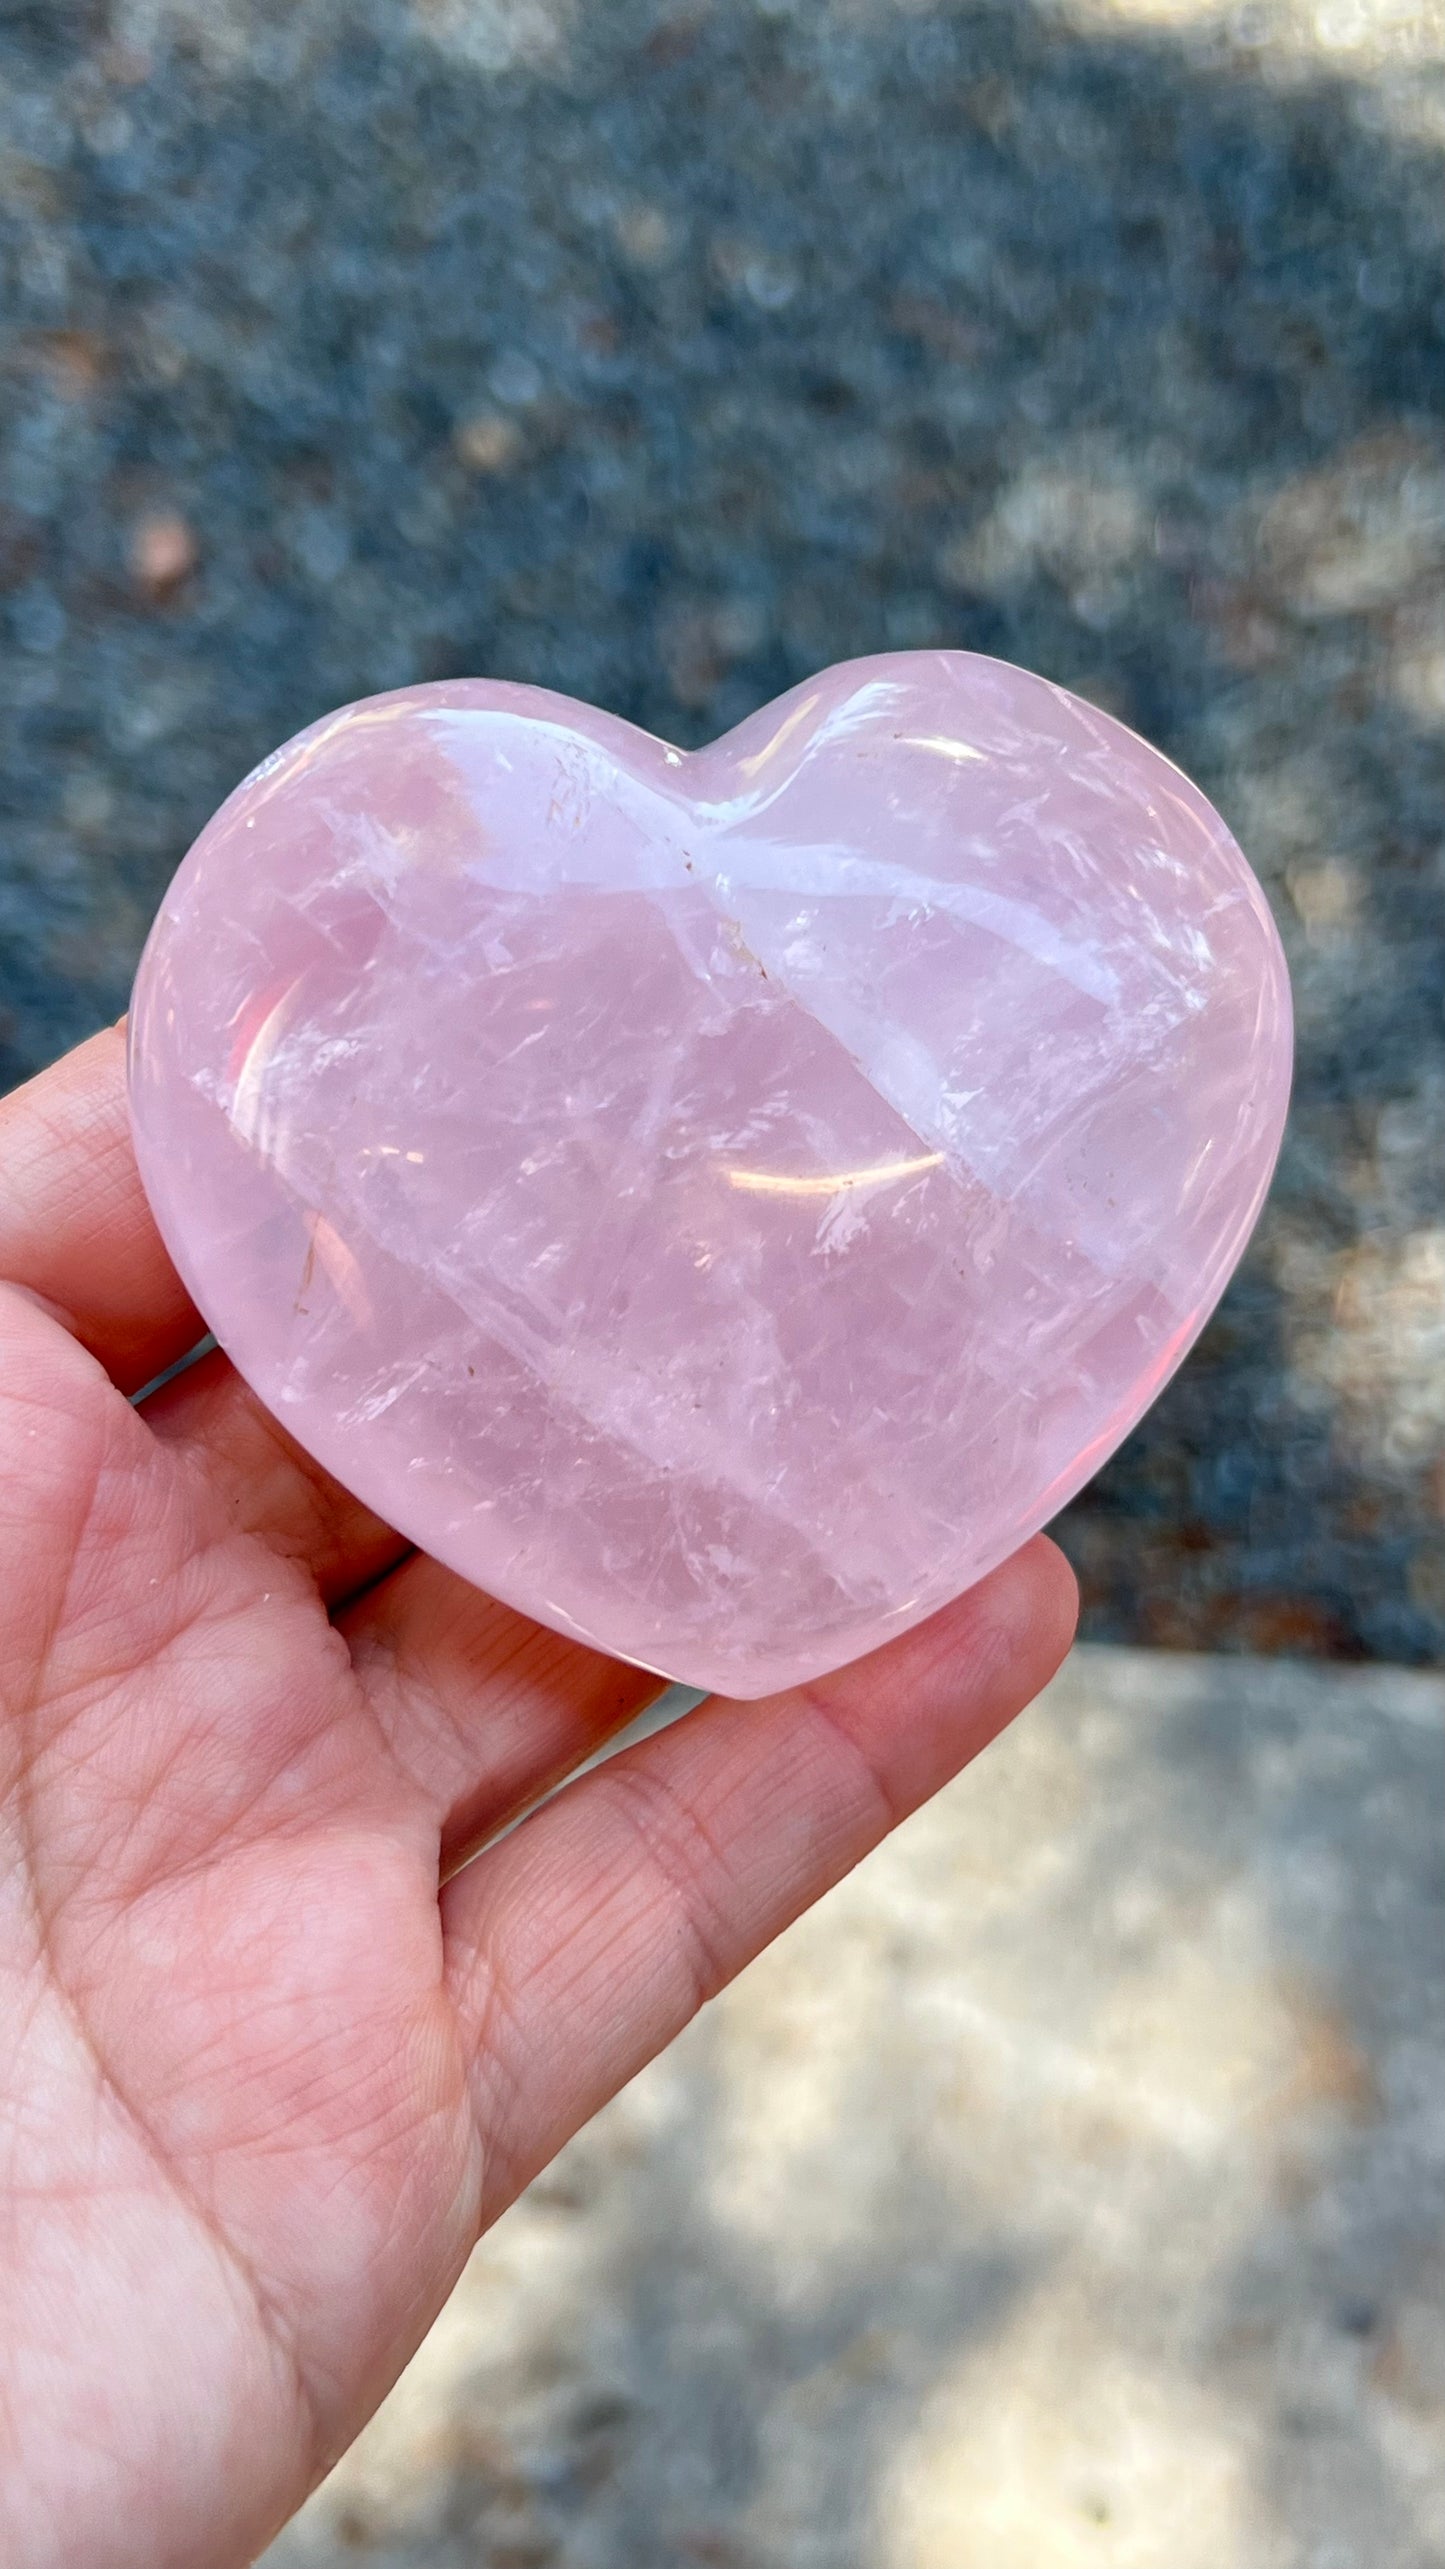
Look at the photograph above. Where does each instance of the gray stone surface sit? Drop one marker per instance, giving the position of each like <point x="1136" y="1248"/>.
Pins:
<point x="1066" y="2191"/>
<point x="666" y="350"/>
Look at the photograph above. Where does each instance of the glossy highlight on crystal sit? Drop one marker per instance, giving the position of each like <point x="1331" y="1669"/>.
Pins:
<point x="720" y="1202"/>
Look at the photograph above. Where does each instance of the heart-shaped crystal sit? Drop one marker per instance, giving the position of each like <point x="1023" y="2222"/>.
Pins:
<point x="720" y="1203"/>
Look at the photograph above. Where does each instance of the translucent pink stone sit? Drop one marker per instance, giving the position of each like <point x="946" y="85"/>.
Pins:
<point x="719" y="1203"/>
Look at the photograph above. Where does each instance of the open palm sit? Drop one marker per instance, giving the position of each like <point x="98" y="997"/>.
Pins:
<point x="271" y="2058"/>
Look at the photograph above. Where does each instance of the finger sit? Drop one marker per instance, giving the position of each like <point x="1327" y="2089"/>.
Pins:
<point x="268" y="1483"/>
<point x="484" y="1709"/>
<point x="583" y="1943"/>
<point x="76" y="1229"/>
<point x="75" y="1226"/>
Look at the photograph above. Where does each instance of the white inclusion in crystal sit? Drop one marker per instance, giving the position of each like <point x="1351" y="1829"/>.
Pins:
<point x="643" y="850"/>
<point x="835" y="873"/>
<point x="846" y="1217"/>
<point x="375" y="1404"/>
<point x="580" y="1378"/>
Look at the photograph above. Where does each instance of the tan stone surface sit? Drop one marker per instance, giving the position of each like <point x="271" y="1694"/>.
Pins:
<point x="1066" y="2190"/>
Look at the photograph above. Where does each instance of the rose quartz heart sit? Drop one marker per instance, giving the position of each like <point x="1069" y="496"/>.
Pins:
<point x="721" y="1204"/>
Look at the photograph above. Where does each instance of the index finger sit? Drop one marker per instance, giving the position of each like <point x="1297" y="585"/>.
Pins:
<point x="75" y="1226"/>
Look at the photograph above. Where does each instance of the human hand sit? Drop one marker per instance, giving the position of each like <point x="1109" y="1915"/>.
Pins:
<point x="272" y="2059"/>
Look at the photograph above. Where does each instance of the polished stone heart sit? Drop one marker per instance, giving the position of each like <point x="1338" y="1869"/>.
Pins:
<point x="719" y="1203"/>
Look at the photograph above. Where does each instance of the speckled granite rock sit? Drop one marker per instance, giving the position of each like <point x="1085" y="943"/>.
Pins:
<point x="1066" y="2190"/>
<point x="666" y="352"/>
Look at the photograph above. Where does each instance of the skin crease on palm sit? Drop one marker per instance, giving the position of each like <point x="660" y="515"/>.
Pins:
<point x="272" y="2058"/>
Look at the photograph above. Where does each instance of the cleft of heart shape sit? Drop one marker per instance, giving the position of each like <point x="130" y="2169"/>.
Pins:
<point x="720" y="1203"/>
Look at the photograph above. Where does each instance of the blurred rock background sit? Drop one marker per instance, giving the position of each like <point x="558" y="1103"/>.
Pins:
<point x="665" y="351"/>
<point x="1068" y="2191"/>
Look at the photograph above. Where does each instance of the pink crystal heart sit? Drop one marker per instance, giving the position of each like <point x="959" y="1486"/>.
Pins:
<point x="719" y="1203"/>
